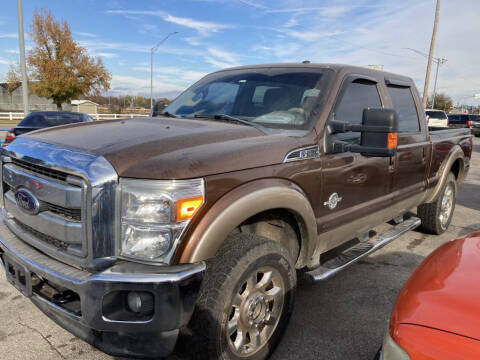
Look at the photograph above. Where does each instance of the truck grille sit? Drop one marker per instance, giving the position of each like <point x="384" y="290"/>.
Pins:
<point x="47" y="239"/>
<point x="60" y="200"/>
<point x="40" y="170"/>
<point x="73" y="214"/>
<point x="59" y="225"/>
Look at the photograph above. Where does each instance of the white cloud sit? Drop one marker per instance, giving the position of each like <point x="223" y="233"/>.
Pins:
<point x="221" y="58"/>
<point x="124" y="84"/>
<point x="85" y="34"/>
<point x="105" y="55"/>
<point x="309" y="35"/>
<point x="204" y="28"/>
<point x="253" y="4"/>
<point x="109" y="46"/>
<point x="9" y="36"/>
<point x="171" y="73"/>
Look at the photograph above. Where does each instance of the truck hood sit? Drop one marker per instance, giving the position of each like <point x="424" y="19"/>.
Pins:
<point x="444" y="292"/>
<point x="168" y="148"/>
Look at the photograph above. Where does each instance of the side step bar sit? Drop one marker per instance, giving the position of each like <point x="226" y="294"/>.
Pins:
<point x="352" y="255"/>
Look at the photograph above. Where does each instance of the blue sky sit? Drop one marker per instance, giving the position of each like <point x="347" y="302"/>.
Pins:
<point x="215" y="34"/>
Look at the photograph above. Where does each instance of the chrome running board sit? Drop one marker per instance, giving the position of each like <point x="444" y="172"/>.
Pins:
<point x="359" y="251"/>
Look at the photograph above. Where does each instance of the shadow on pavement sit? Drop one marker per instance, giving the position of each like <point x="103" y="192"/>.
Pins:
<point x="469" y="195"/>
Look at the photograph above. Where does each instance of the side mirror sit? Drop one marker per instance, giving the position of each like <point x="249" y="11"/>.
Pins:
<point x="378" y="133"/>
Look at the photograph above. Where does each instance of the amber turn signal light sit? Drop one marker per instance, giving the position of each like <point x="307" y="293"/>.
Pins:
<point x="186" y="208"/>
<point x="392" y="140"/>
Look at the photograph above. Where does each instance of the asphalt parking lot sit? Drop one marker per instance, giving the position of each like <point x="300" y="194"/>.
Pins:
<point x="343" y="318"/>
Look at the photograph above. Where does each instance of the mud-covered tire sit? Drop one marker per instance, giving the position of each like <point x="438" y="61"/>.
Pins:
<point x="435" y="217"/>
<point x="228" y="292"/>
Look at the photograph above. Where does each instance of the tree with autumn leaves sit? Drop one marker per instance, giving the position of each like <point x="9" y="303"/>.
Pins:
<point x="59" y="68"/>
<point x="13" y="80"/>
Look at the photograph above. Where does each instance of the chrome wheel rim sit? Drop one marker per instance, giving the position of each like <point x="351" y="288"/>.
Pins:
<point x="255" y="311"/>
<point x="446" y="206"/>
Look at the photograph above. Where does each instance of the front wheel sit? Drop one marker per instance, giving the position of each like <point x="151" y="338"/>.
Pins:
<point x="436" y="216"/>
<point x="246" y="300"/>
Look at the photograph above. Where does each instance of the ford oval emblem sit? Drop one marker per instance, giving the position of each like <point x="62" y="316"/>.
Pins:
<point x="27" y="202"/>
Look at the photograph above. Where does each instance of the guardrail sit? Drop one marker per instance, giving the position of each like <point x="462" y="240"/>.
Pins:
<point x="19" y="116"/>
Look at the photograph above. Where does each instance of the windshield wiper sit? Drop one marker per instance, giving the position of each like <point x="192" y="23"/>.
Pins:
<point x="229" y="118"/>
<point x="167" y="114"/>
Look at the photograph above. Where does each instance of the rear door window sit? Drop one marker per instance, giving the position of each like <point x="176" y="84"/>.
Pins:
<point x="404" y="105"/>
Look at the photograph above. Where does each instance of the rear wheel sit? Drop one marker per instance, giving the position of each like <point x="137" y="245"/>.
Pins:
<point x="436" y="216"/>
<point x="246" y="300"/>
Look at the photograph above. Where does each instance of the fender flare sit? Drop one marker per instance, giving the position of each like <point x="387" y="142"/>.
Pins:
<point x="455" y="153"/>
<point x="244" y="202"/>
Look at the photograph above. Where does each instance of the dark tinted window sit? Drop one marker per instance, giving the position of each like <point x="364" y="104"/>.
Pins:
<point x="458" y="119"/>
<point x="404" y="105"/>
<point x="50" y="119"/>
<point x="453" y="119"/>
<point x="436" y="114"/>
<point x="357" y="96"/>
<point x="32" y="120"/>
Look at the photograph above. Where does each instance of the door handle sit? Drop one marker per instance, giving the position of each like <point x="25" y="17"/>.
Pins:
<point x="393" y="163"/>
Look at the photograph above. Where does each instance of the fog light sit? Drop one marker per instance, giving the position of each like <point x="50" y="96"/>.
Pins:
<point x="140" y="302"/>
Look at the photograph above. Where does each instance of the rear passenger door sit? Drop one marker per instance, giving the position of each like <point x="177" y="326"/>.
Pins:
<point x="410" y="163"/>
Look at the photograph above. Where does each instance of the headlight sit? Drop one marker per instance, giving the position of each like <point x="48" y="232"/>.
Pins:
<point x="154" y="214"/>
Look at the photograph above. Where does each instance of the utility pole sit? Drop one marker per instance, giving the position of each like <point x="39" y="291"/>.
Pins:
<point x="430" y="55"/>
<point x="439" y="62"/>
<point x="23" y="65"/>
<point x="152" y="50"/>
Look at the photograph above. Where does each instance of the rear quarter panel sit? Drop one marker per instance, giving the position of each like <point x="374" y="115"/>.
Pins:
<point x="448" y="146"/>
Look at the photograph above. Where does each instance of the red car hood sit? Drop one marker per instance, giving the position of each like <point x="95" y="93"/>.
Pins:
<point x="444" y="291"/>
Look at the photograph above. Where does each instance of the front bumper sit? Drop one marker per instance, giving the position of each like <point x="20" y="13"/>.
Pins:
<point x="97" y="315"/>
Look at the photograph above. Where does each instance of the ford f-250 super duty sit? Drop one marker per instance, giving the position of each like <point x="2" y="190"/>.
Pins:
<point x="128" y="232"/>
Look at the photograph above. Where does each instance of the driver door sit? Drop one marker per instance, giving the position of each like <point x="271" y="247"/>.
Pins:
<point x="353" y="185"/>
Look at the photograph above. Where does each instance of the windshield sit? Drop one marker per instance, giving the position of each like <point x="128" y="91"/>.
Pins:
<point x="436" y="114"/>
<point x="272" y="97"/>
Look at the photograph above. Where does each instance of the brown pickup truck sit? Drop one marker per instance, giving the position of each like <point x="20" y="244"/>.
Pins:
<point x="129" y="232"/>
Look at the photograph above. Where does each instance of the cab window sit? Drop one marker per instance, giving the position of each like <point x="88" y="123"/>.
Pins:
<point x="404" y="105"/>
<point x="356" y="97"/>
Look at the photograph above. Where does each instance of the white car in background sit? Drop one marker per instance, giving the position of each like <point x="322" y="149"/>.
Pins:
<point x="436" y="118"/>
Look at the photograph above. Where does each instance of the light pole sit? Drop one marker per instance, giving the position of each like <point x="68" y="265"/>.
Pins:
<point x="438" y="61"/>
<point x="152" y="50"/>
<point x="23" y="66"/>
